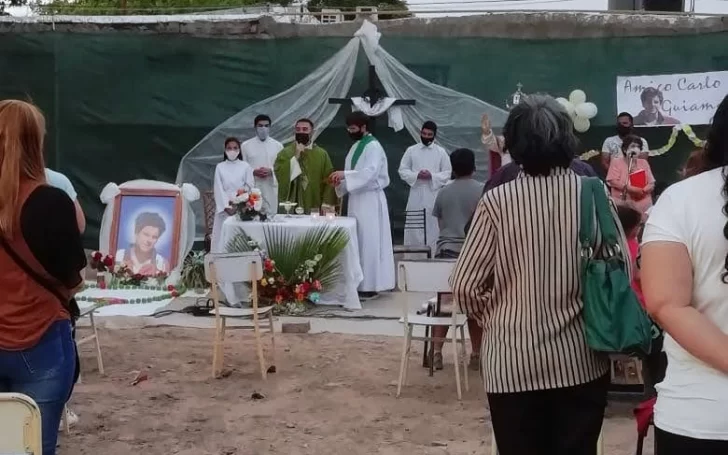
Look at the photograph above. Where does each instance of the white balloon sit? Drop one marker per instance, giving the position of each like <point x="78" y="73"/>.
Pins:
<point x="586" y="110"/>
<point x="577" y="97"/>
<point x="581" y="124"/>
<point x="567" y="105"/>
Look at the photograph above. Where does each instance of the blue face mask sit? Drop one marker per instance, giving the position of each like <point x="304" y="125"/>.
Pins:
<point x="262" y="132"/>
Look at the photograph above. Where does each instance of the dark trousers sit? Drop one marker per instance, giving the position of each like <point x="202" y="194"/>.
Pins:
<point x="564" y="421"/>
<point x="672" y="444"/>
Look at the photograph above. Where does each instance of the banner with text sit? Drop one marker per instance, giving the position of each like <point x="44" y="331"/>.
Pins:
<point x="672" y="99"/>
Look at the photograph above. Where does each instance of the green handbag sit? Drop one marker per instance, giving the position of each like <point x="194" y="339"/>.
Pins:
<point x="615" y="322"/>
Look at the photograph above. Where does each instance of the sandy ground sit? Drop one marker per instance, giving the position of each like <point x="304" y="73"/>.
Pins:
<point x="333" y="394"/>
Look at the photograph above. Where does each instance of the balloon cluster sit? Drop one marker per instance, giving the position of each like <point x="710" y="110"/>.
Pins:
<point x="579" y="109"/>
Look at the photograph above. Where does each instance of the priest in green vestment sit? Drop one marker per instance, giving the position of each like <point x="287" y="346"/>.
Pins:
<point x="302" y="170"/>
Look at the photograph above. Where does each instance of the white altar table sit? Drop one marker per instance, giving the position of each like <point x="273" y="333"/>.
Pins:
<point x="345" y="293"/>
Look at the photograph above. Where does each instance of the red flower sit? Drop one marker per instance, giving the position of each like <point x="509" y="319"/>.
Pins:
<point x="305" y="287"/>
<point x="170" y="288"/>
<point x="175" y="294"/>
<point x="108" y="261"/>
<point x="97" y="256"/>
<point x="102" y="285"/>
<point x="279" y="299"/>
<point x="268" y="265"/>
<point x="317" y="285"/>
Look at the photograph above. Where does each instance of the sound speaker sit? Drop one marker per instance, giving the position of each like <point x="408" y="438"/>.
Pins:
<point x="664" y="5"/>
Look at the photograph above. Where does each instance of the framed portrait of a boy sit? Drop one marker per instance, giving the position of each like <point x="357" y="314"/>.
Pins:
<point x="145" y="230"/>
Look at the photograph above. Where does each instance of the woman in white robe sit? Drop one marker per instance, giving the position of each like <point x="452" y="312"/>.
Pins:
<point x="230" y="176"/>
<point x="365" y="183"/>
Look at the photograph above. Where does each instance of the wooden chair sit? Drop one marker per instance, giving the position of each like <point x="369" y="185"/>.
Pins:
<point x="94" y="337"/>
<point x="208" y="203"/>
<point x="415" y="220"/>
<point x="431" y="276"/>
<point x="235" y="268"/>
<point x="20" y="425"/>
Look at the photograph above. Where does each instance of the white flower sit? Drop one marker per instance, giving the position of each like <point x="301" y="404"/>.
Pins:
<point x="258" y="205"/>
<point x="256" y="192"/>
<point x="318" y="257"/>
<point x="271" y="280"/>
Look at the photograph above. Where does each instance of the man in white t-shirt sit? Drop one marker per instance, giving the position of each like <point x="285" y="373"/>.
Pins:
<point x="683" y="261"/>
<point x="612" y="147"/>
<point x="60" y="181"/>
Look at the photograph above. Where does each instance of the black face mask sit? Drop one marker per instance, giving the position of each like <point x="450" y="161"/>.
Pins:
<point x="427" y="140"/>
<point x="303" y="138"/>
<point x="623" y="130"/>
<point x="356" y="136"/>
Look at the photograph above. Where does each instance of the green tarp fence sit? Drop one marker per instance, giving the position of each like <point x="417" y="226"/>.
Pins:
<point x="124" y="106"/>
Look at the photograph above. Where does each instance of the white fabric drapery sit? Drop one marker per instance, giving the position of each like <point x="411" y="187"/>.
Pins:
<point x="394" y="113"/>
<point x="457" y="115"/>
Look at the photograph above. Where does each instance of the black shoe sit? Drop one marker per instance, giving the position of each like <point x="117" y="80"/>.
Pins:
<point x="368" y="295"/>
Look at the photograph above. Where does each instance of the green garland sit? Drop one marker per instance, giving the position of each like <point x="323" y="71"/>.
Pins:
<point x="138" y="300"/>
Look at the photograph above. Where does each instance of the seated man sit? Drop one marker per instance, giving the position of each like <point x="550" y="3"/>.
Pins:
<point x="454" y="205"/>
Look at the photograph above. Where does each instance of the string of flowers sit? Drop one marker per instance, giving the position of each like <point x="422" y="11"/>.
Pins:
<point x="171" y="292"/>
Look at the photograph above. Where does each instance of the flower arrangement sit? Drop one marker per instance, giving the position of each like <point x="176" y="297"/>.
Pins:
<point x="101" y="263"/>
<point x="248" y="204"/>
<point x="296" y="268"/>
<point x="111" y="273"/>
<point x="301" y="287"/>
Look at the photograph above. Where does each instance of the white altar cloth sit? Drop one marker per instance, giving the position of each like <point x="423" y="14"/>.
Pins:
<point x="345" y="293"/>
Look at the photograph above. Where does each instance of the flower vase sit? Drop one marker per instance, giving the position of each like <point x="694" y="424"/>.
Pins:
<point x="109" y="279"/>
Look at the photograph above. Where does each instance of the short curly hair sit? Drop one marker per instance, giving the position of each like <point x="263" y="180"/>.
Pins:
<point x="149" y="219"/>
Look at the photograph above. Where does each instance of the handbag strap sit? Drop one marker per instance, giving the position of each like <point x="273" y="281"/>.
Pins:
<point x="37" y="277"/>
<point x="586" y="223"/>
<point x="607" y="223"/>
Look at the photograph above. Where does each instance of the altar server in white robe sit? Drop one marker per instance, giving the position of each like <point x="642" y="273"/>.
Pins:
<point x="426" y="168"/>
<point x="230" y="176"/>
<point x="261" y="152"/>
<point x="364" y="179"/>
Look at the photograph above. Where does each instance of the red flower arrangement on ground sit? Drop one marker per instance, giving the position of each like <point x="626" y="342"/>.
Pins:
<point x="301" y="287"/>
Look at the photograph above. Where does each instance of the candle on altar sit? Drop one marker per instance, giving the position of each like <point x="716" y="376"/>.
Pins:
<point x="314" y="216"/>
<point x="330" y="216"/>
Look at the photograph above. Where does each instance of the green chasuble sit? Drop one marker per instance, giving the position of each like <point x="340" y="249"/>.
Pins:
<point x="310" y="189"/>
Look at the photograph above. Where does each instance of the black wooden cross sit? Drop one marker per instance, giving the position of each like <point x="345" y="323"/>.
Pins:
<point x="373" y="93"/>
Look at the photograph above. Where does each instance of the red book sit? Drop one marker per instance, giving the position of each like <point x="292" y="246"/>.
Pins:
<point x="638" y="179"/>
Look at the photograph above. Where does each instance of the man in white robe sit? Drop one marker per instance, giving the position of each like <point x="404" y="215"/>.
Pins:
<point x="261" y="152"/>
<point x="364" y="179"/>
<point x="426" y="168"/>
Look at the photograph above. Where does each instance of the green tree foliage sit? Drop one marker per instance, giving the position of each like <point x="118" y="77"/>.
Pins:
<point x="112" y="7"/>
<point x="350" y="5"/>
<point x="5" y="3"/>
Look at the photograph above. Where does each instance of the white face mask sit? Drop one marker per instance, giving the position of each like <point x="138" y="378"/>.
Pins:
<point x="262" y="132"/>
<point x="232" y="155"/>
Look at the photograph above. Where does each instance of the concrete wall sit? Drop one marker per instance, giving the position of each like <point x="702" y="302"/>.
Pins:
<point x="494" y="25"/>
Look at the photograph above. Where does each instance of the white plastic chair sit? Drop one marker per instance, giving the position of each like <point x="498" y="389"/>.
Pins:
<point x="20" y="425"/>
<point x="235" y="268"/>
<point x="430" y="276"/>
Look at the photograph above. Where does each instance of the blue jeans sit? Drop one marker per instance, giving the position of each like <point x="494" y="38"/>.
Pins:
<point x="44" y="373"/>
